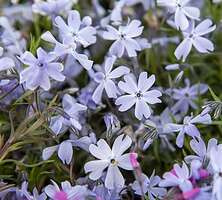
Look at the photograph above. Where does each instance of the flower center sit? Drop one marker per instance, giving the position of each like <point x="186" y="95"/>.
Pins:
<point x="139" y="94"/>
<point x="122" y="35"/>
<point x="60" y="195"/>
<point x="113" y="161"/>
<point x="40" y="64"/>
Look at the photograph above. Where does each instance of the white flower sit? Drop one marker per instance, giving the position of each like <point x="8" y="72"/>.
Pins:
<point x="111" y="158"/>
<point x="124" y="38"/>
<point x="193" y="36"/>
<point x="105" y="80"/>
<point x="67" y="192"/>
<point x="138" y="94"/>
<point x="216" y="163"/>
<point x="76" y="30"/>
<point x="182" y="12"/>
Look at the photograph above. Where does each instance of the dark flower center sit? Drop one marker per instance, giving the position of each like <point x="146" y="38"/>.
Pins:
<point x="139" y="94"/>
<point x="41" y="64"/>
<point x="113" y="161"/>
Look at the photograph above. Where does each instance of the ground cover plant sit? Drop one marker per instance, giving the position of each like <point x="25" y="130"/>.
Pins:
<point x="110" y="100"/>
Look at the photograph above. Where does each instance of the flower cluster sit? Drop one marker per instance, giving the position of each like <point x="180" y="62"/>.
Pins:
<point x="99" y="98"/>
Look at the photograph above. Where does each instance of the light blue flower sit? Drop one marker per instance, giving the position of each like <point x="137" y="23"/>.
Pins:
<point x="149" y="186"/>
<point x="188" y="127"/>
<point x="124" y="38"/>
<point x="193" y="36"/>
<point x="40" y="70"/>
<point x="183" y="12"/>
<point x="186" y="96"/>
<point x="106" y="80"/>
<point x="138" y="95"/>
<point x="179" y="176"/>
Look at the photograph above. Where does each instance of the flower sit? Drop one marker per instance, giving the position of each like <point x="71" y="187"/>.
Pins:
<point x="111" y="158"/>
<point x="65" y="150"/>
<point x="187" y="127"/>
<point x="25" y="194"/>
<point x="67" y="192"/>
<point x="65" y="48"/>
<point x="179" y="176"/>
<point x="186" y="96"/>
<point x="138" y="94"/>
<point x="124" y="38"/>
<point x="51" y="8"/>
<point x="193" y="36"/>
<point x="70" y="116"/>
<point x="12" y="40"/>
<point x="216" y="163"/>
<point x="202" y="152"/>
<point x="182" y="11"/>
<point x="76" y="31"/>
<point x="5" y="62"/>
<point x="150" y="186"/>
<point x="40" y="70"/>
<point x="105" y="80"/>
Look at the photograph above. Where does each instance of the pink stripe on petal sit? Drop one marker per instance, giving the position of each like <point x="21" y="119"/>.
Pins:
<point x="191" y="194"/>
<point x="60" y="195"/>
<point x="203" y="173"/>
<point x="133" y="160"/>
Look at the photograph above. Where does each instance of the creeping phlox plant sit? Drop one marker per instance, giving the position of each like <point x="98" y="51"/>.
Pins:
<point x="110" y="99"/>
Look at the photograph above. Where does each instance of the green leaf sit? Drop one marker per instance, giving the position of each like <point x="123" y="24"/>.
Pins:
<point x="215" y="97"/>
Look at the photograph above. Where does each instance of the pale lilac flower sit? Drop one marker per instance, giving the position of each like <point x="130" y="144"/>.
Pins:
<point x="85" y="97"/>
<point x="150" y="186"/>
<point x="52" y="7"/>
<point x="36" y="196"/>
<point x="158" y="122"/>
<point x="202" y="152"/>
<point x="111" y="158"/>
<point x="65" y="148"/>
<point x="40" y="70"/>
<point x="102" y="193"/>
<point x="106" y="80"/>
<point x="67" y="191"/>
<point x="186" y="96"/>
<point x="193" y="36"/>
<point x="20" y="12"/>
<point x="124" y="38"/>
<point x="76" y="31"/>
<point x="216" y="163"/>
<point x="70" y="118"/>
<point x="5" y="62"/>
<point x="116" y="13"/>
<point x="188" y="127"/>
<point x="67" y="48"/>
<point x="138" y="95"/>
<point x="183" y="12"/>
<point x="65" y="152"/>
<point x="179" y="176"/>
<point x="11" y="39"/>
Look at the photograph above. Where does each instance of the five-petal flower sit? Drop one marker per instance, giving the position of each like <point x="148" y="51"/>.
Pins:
<point x="111" y="158"/>
<point x="40" y="70"/>
<point x="138" y="94"/>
